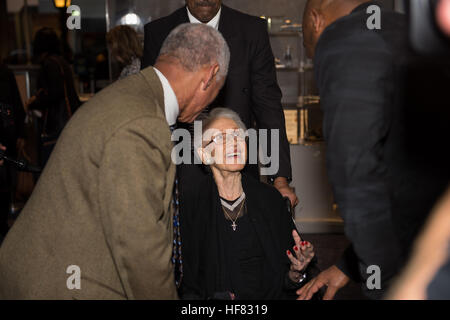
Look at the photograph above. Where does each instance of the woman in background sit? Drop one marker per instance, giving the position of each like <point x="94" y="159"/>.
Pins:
<point x="126" y="49"/>
<point x="56" y="98"/>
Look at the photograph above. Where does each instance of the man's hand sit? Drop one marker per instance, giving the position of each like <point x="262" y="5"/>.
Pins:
<point x="2" y="148"/>
<point x="283" y="187"/>
<point x="332" y="277"/>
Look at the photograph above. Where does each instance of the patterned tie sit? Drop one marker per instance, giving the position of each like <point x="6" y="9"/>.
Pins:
<point x="177" y="258"/>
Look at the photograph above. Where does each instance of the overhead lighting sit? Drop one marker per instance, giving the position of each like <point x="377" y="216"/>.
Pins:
<point x="130" y="19"/>
<point x="61" y="4"/>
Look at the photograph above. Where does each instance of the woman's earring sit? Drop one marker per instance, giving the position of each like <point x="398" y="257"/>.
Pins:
<point x="209" y="161"/>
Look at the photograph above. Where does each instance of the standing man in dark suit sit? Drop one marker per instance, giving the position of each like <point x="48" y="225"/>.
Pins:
<point x="251" y="88"/>
<point x="382" y="185"/>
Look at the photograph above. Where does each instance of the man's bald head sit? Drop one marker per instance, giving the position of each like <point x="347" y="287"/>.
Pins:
<point x="319" y="14"/>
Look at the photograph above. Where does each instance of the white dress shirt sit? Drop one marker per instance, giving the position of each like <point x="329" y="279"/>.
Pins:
<point x="171" y="106"/>
<point x="214" y="22"/>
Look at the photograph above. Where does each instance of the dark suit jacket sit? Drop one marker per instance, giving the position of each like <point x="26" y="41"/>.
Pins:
<point x="375" y="170"/>
<point x="251" y="88"/>
<point x="103" y="203"/>
<point x="199" y="231"/>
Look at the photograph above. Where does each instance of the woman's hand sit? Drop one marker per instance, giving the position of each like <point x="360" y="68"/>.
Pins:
<point x="303" y="254"/>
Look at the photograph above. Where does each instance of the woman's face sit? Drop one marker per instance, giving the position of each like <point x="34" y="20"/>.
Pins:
<point x="225" y="144"/>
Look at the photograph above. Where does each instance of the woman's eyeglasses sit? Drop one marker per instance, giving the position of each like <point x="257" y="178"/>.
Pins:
<point x="228" y="137"/>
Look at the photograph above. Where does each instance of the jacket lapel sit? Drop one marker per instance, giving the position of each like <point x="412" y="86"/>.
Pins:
<point x="182" y="16"/>
<point x="226" y="25"/>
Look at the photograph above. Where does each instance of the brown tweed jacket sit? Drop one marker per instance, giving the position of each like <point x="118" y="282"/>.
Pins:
<point x="103" y="203"/>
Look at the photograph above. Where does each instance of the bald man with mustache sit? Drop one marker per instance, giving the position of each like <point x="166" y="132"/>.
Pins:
<point x="373" y="165"/>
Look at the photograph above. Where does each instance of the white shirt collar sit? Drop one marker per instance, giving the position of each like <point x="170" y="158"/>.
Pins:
<point x="171" y="106"/>
<point x="214" y="22"/>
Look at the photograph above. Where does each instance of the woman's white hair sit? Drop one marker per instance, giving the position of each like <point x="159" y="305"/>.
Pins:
<point x="215" y="114"/>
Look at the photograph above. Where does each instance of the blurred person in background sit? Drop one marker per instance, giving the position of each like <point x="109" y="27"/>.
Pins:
<point x="385" y="127"/>
<point x="431" y="280"/>
<point x="427" y="275"/>
<point x="443" y="16"/>
<point x="126" y="49"/>
<point x="12" y="117"/>
<point x="56" y="98"/>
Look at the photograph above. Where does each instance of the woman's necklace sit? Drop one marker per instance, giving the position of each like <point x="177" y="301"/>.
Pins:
<point x="234" y="225"/>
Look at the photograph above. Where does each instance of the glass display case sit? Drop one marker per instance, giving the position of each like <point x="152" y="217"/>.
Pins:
<point x="295" y="75"/>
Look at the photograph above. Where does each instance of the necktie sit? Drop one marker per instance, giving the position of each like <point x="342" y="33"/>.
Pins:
<point x="177" y="258"/>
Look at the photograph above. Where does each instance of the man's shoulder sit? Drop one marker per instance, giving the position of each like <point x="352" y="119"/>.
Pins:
<point x="350" y="37"/>
<point x="123" y="101"/>
<point x="242" y="19"/>
<point x="354" y="25"/>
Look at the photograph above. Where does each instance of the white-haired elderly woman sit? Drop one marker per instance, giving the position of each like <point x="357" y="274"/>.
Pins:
<point x="239" y="241"/>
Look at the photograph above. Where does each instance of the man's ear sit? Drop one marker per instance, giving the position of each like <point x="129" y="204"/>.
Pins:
<point x="211" y="75"/>
<point x="317" y="20"/>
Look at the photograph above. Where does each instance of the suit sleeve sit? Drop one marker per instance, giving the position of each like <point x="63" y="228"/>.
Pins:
<point x="348" y="264"/>
<point x="133" y="178"/>
<point x="151" y="50"/>
<point x="266" y="97"/>
<point x="356" y="82"/>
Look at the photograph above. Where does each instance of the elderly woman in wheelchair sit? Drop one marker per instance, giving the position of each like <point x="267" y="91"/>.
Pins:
<point x="239" y="240"/>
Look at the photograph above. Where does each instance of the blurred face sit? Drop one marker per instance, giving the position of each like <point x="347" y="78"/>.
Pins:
<point x="443" y="16"/>
<point x="224" y="146"/>
<point x="204" y="10"/>
<point x="203" y="97"/>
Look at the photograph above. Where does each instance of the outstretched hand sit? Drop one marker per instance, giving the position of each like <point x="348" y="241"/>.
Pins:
<point x="303" y="254"/>
<point x="332" y="277"/>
